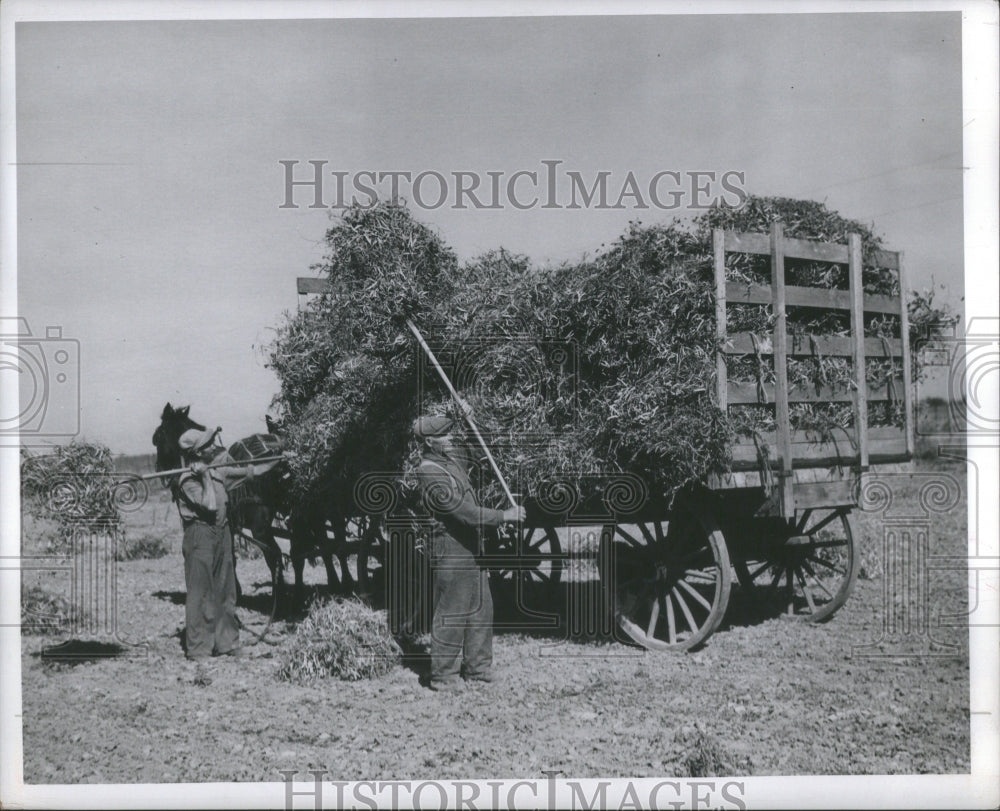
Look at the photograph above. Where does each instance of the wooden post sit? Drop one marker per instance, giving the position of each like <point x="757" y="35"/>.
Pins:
<point x="904" y="336"/>
<point x="721" y="375"/>
<point x="858" y="348"/>
<point x="786" y="494"/>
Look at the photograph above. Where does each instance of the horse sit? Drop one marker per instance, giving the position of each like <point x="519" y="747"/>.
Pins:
<point x="253" y="506"/>
<point x="308" y="523"/>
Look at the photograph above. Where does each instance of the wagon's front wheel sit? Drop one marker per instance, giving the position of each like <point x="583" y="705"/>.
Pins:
<point x="804" y="569"/>
<point x="532" y="555"/>
<point x="667" y="581"/>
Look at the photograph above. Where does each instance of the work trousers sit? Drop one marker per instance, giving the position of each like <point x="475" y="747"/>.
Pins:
<point x="462" y="630"/>
<point x="210" y="608"/>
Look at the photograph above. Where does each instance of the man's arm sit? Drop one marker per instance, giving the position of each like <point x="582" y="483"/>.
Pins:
<point x="444" y="499"/>
<point x="233" y="475"/>
<point x="198" y="493"/>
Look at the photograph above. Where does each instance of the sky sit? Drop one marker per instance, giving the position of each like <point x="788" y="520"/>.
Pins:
<point x="149" y="189"/>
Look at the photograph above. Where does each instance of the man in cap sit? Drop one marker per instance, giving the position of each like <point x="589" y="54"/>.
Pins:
<point x="200" y="493"/>
<point x="462" y="628"/>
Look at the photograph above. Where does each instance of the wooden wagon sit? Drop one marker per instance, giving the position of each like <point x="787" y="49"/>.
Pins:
<point x="781" y="521"/>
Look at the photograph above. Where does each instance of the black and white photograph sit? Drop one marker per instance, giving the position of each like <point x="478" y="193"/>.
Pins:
<point x="481" y="405"/>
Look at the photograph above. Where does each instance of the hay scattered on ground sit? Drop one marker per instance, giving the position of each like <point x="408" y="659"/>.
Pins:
<point x="701" y="754"/>
<point x="344" y="639"/>
<point x="45" y="613"/>
<point x="143" y="547"/>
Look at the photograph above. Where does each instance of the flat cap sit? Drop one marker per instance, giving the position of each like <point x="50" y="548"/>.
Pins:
<point x="428" y="426"/>
<point x="194" y="440"/>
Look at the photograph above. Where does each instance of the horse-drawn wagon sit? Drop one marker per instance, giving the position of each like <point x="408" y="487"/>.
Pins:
<point x="779" y="521"/>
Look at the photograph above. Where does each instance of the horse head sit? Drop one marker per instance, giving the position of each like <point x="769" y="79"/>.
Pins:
<point x="173" y="423"/>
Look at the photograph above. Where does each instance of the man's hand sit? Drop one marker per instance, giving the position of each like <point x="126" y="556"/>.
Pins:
<point x="199" y="468"/>
<point x="514" y="515"/>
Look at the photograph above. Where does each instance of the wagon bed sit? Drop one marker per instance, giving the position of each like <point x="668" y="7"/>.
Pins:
<point x="781" y="520"/>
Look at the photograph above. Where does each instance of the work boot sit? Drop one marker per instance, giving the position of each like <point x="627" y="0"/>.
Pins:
<point x="451" y="685"/>
<point x="486" y="676"/>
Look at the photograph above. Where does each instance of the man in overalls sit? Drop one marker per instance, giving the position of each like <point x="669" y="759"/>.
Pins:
<point x="462" y="629"/>
<point x="209" y="576"/>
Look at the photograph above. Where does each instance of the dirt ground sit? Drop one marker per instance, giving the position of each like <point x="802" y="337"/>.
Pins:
<point x="764" y="697"/>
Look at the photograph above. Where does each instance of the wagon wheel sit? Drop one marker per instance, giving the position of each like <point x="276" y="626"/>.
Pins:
<point x="668" y="581"/>
<point x="806" y="569"/>
<point x="535" y="555"/>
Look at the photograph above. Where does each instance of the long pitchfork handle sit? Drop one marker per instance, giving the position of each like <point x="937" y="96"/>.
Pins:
<point x="230" y="463"/>
<point x="462" y="408"/>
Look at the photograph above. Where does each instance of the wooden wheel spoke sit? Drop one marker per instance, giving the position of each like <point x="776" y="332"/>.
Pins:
<point x="685" y="610"/>
<point x="671" y="620"/>
<point x="654" y="615"/>
<point x="772" y="588"/>
<point x="812" y="572"/>
<point x="806" y="591"/>
<point x="817" y="527"/>
<point x="526" y="540"/>
<point x="630" y="539"/>
<point x="827" y="564"/>
<point x="647" y="534"/>
<point x="806" y="515"/>
<point x="766" y="565"/>
<point x="538" y="575"/>
<point x="701" y="576"/>
<point x="659" y="531"/>
<point x="537" y="547"/>
<point x="827" y="544"/>
<point x="694" y="593"/>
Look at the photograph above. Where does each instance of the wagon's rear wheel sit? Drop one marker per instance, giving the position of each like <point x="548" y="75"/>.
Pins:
<point x="667" y="581"/>
<point x="804" y="569"/>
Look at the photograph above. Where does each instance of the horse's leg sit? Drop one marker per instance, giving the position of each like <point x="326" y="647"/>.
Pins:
<point x="272" y="556"/>
<point x="236" y="578"/>
<point x="298" y="564"/>
<point x="338" y="546"/>
<point x="235" y="528"/>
